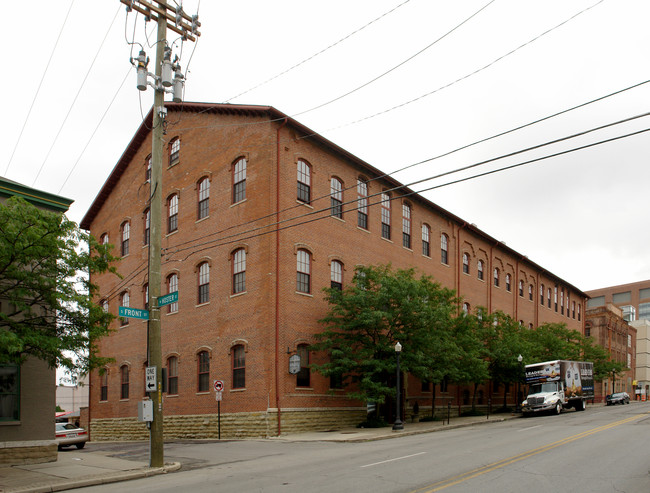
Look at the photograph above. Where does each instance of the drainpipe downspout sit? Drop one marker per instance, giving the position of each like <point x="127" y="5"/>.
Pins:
<point x="277" y="278"/>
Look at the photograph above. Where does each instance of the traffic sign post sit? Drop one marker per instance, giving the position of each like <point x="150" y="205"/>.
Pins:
<point x="218" y="391"/>
<point x="150" y="384"/>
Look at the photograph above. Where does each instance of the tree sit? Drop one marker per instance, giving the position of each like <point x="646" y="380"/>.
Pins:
<point x="47" y="301"/>
<point x="379" y="308"/>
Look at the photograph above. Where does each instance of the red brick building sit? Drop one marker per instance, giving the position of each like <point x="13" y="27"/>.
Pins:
<point x="250" y="293"/>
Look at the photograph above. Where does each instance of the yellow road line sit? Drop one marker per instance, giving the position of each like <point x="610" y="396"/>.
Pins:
<point x="440" y="485"/>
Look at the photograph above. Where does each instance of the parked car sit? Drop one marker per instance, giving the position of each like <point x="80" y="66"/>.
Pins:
<point x="67" y="434"/>
<point x="618" y="398"/>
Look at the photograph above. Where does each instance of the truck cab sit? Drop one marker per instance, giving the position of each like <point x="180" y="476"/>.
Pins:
<point x="547" y="396"/>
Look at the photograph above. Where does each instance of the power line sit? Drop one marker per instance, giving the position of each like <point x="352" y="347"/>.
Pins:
<point x="474" y="165"/>
<point x="399" y="64"/>
<point x="315" y="54"/>
<point x="56" y="43"/>
<point x="445" y="154"/>
<point x="65" y="119"/>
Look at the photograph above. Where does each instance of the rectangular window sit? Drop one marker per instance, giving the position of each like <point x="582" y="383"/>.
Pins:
<point x="426" y="245"/>
<point x="9" y="393"/>
<point x="303" y="282"/>
<point x="644" y="311"/>
<point x="204" y="283"/>
<point x="304" y="182"/>
<point x="238" y="367"/>
<point x="239" y="181"/>
<point x="385" y="216"/>
<point x="174" y="152"/>
<point x="124" y="389"/>
<point x="239" y="271"/>
<point x="204" y="372"/>
<point x="625" y="297"/>
<point x="126" y="234"/>
<point x="362" y="204"/>
<point x="104" y="387"/>
<point x="406" y="226"/>
<point x="204" y="198"/>
<point x="172" y="223"/>
<point x="336" y="197"/>
<point x="302" y="378"/>
<point x="147" y="226"/>
<point x="336" y="275"/>
<point x="172" y="285"/>
<point x="172" y="376"/>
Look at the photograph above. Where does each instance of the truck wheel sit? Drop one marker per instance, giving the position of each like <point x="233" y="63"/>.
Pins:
<point x="558" y="407"/>
<point x="580" y="405"/>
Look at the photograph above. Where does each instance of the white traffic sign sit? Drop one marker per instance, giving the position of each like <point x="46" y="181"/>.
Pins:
<point x="150" y="384"/>
<point x="219" y="396"/>
<point x="218" y="385"/>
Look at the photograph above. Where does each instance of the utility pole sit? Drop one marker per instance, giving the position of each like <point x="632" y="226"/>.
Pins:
<point x="160" y="13"/>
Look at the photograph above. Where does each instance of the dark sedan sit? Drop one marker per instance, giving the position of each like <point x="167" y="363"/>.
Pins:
<point x="618" y="398"/>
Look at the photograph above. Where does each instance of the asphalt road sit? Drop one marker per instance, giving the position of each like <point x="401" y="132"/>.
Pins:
<point x="604" y="449"/>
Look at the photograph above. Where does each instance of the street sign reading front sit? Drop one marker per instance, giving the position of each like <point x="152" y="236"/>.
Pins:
<point x="150" y="384"/>
<point x="168" y="299"/>
<point x="125" y="311"/>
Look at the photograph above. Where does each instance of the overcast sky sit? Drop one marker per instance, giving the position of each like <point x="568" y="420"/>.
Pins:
<point x="468" y="70"/>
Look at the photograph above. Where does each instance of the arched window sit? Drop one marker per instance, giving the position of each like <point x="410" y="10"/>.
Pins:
<point x="172" y="286"/>
<point x="124" y="379"/>
<point x="362" y="203"/>
<point x="124" y="301"/>
<point x="573" y="309"/>
<point x="238" y="367"/>
<point x="304" y="182"/>
<point x="465" y="263"/>
<point x="406" y="225"/>
<point x="239" y="181"/>
<point x="479" y="269"/>
<point x="496" y="277"/>
<point x="239" y="271"/>
<point x="548" y="297"/>
<point x="126" y="235"/>
<point x="204" y="283"/>
<point x="336" y="197"/>
<point x="562" y="302"/>
<point x="521" y="288"/>
<point x="172" y="375"/>
<point x="336" y="274"/>
<point x="555" y="297"/>
<point x="508" y="282"/>
<point x="385" y="215"/>
<point x="530" y="292"/>
<point x="426" y="240"/>
<point x="444" y="248"/>
<point x="303" y="284"/>
<point x="466" y="308"/>
<point x="147" y="226"/>
<point x="174" y="151"/>
<point x="172" y="213"/>
<point x="541" y="294"/>
<point x="204" y="198"/>
<point x="203" y="371"/>
<point x="303" y="376"/>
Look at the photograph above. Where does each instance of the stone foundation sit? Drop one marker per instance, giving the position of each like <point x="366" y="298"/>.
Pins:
<point x="233" y="426"/>
<point x="28" y="452"/>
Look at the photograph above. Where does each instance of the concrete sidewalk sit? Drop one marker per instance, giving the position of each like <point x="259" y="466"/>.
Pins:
<point x="79" y="468"/>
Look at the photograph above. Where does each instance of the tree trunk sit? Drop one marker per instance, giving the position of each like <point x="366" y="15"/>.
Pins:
<point x="433" y="401"/>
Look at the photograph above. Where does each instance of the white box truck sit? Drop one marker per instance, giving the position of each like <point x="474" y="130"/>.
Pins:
<point x="555" y="385"/>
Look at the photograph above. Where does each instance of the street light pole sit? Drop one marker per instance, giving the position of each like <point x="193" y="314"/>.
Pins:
<point x="520" y="358"/>
<point x="398" y="425"/>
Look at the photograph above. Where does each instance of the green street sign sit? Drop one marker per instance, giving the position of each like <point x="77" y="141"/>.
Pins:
<point x="168" y="299"/>
<point x="127" y="312"/>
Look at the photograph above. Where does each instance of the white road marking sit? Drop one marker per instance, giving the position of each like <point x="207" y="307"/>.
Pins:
<point x="530" y="428"/>
<point x="392" y="460"/>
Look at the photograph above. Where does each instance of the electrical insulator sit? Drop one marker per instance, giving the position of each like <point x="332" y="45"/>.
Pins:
<point x="167" y="68"/>
<point x="179" y="14"/>
<point x="142" y="71"/>
<point x="178" y="85"/>
<point x="195" y="24"/>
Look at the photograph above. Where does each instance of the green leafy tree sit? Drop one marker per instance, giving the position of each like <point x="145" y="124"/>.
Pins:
<point x="470" y="364"/>
<point x="47" y="301"/>
<point x="379" y="308"/>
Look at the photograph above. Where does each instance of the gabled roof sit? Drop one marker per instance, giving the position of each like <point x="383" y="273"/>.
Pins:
<point x="275" y="115"/>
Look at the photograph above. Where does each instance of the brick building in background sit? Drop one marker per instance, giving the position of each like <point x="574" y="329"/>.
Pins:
<point x="611" y="331"/>
<point x="250" y="293"/>
<point x="634" y="301"/>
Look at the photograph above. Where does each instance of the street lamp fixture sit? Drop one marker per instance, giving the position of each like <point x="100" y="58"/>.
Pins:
<point x="398" y="425"/>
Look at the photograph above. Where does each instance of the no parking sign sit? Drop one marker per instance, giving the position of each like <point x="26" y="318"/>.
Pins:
<point x="218" y="385"/>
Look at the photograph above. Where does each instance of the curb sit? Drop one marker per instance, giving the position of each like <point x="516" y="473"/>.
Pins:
<point x="107" y="478"/>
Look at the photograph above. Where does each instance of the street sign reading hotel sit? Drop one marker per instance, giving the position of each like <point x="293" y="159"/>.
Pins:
<point x="168" y="299"/>
<point x="125" y="311"/>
